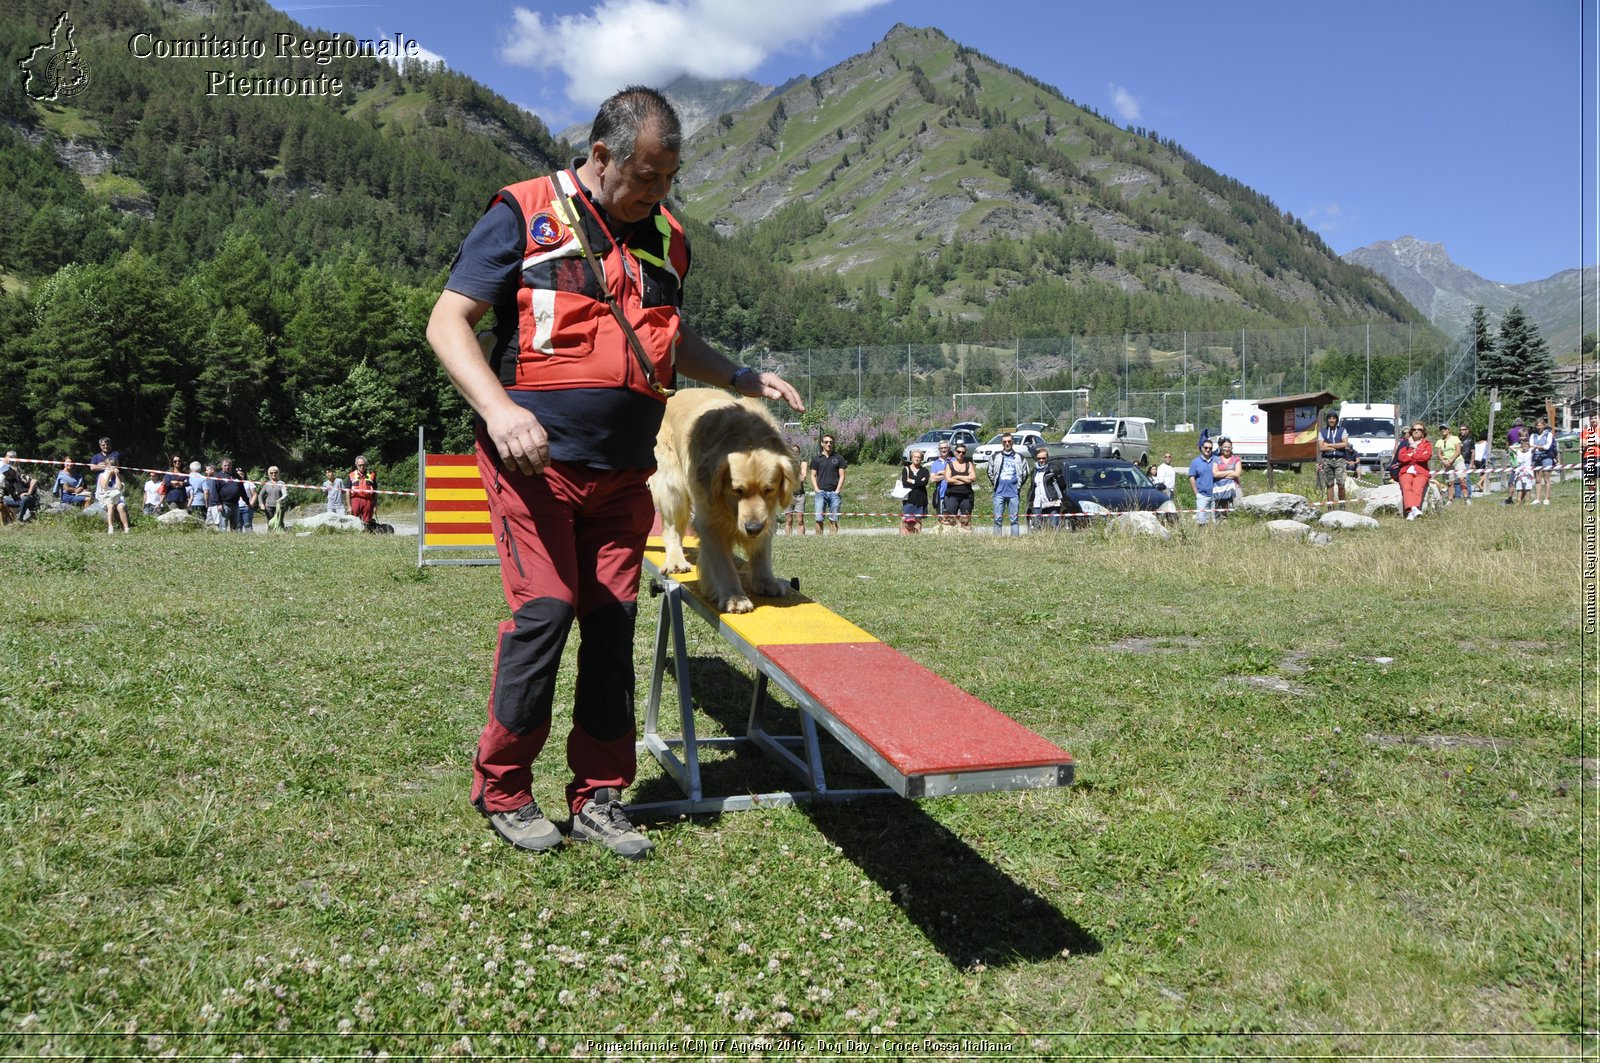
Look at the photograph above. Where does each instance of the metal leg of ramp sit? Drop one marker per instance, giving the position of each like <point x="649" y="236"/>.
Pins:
<point x="679" y="754"/>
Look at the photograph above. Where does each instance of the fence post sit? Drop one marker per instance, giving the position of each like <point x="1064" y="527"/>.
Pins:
<point x="422" y="494"/>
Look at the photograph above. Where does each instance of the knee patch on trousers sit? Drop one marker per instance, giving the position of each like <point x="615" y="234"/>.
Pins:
<point x="527" y="662"/>
<point x="603" y="703"/>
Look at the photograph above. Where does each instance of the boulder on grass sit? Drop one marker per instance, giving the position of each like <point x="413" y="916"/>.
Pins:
<point x="1287" y="529"/>
<point x="1339" y="518"/>
<point x="333" y="521"/>
<point x="174" y="518"/>
<point x="1138" y="523"/>
<point x="1386" y="499"/>
<point x="1275" y="505"/>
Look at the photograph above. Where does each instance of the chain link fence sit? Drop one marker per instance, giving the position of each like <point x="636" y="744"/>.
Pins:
<point x="1175" y="378"/>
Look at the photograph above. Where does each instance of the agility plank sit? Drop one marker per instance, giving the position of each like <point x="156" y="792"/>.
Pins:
<point x="918" y="733"/>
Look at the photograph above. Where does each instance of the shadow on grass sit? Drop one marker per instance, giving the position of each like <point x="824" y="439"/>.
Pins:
<point x="968" y="909"/>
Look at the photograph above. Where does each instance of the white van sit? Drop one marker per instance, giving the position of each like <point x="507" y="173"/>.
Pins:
<point x="1109" y="436"/>
<point x="1372" y="427"/>
<point x="1246" y="424"/>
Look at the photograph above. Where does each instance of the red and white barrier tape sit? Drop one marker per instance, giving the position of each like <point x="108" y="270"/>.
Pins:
<point x="186" y="474"/>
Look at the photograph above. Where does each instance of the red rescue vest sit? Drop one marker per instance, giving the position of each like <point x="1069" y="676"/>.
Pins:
<point x="566" y="336"/>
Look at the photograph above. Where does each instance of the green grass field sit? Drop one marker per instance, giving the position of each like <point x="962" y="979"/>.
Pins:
<point x="1328" y="803"/>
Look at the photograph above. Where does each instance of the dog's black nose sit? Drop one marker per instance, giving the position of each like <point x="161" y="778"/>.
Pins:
<point x="753" y="527"/>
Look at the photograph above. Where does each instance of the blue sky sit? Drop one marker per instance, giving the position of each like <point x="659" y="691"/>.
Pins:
<point x="1455" y="121"/>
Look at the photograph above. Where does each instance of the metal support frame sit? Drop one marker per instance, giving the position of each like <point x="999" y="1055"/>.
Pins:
<point x="679" y="754"/>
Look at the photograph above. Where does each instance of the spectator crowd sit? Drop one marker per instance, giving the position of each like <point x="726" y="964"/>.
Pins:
<point x="222" y="495"/>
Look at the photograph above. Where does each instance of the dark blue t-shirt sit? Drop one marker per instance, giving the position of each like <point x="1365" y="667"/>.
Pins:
<point x="603" y="428"/>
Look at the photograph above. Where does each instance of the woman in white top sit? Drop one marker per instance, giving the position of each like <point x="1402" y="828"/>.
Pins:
<point x="108" y="492"/>
<point x="1544" y="460"/>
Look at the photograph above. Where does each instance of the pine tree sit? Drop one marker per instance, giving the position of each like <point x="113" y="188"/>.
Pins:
<point x="1478" y="332"/>
<point x="1520" y="365"/>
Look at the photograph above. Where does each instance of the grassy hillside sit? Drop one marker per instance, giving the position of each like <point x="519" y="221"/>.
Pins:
<point x="919" y="146"/>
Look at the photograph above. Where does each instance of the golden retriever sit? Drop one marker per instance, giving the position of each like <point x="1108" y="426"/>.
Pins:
<point x="724" y="458"/>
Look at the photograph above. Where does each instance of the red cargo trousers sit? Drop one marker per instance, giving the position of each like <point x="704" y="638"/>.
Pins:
<point x="571" y="542"/>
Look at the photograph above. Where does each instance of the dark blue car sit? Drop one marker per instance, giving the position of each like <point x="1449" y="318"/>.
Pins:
<point x="1099" y="487"/>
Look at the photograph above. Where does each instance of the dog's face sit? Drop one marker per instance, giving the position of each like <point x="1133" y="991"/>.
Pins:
<point x="755" y="486"/>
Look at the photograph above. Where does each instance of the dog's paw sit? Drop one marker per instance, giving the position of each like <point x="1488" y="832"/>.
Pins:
<point x="737" y="604"/>
<point x="771" y="587"/>
<point x="671" y="567"/>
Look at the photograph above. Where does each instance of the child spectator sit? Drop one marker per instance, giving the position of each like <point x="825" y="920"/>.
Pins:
<point x="333" y="487"/>
<point x="1522" y="471"/>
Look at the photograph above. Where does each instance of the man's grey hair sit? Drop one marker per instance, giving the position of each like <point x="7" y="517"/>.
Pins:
<point x="626" y="114"/>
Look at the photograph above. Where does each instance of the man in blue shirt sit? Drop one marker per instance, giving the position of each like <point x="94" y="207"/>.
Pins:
<point x="936" y="469"/>
<point x="1202" y="479"/>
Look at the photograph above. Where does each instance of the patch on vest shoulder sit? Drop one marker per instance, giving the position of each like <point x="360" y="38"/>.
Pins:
<point x="546" y="230"/>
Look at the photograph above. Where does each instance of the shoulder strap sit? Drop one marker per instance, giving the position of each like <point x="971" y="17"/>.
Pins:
<point x="605" y="292"/>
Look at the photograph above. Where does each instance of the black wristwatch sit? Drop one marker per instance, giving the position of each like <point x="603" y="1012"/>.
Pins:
<point x="743" y="370"/>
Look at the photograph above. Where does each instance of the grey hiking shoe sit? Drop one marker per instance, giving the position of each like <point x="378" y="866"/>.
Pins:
<point x="526" y="828"/>
<point x="602" y="820"/>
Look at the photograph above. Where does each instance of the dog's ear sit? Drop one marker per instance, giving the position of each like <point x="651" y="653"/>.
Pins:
<point x="721" y="477"/>
<point x="791" y="477"/>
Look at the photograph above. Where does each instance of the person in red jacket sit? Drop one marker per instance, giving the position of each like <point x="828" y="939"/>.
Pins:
<point x="363" y="491"/>
<point x="1413" y="456"/>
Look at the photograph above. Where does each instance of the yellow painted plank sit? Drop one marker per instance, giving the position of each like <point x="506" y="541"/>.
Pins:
<point x="457" y="494"/>
<point x="452" y="472"/>
<point x="794" y="620"/>
<point x="483" y="539"/>
<point x="450" y="516"/>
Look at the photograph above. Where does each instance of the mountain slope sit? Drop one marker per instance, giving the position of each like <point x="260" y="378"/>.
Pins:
<point x="1446" y="292"/>
<point x="920" y="144"/>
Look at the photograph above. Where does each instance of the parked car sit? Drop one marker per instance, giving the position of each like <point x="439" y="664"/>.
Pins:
<point x="928" y="442"/>
<point x="1026" y="440"/>
<point x="1098" y="487"/>
<point x="1109" y="436"/>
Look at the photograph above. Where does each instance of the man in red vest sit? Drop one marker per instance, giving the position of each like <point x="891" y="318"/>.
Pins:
<point x="584" y="269"/>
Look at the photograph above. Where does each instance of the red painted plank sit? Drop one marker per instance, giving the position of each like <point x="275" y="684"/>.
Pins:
<point x="919" y="722"/>
<point x="450" y="459"/>
<point x="442" y="528"/>
<point x="456" y="505"/>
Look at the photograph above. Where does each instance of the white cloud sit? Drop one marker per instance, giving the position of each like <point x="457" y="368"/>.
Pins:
<point x="1125" y="103"/>
<point x="424" y="55"/>
<point x="653" y="42"/>
<point x="1325" y="217"/>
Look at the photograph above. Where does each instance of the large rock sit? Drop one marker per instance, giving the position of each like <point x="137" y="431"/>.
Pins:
<point x="333" y="521"/>
<point x="1138" y="523"/>
<point x="1340" y="518"/>
<point x="1320" y="539"/>
<point x="176" y="518"/>
<point x="1287" y="529"/>
<point x="1386" y="499"/>
<point x="1275" y="505"/>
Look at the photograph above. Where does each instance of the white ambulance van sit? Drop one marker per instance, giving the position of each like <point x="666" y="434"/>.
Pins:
<point x="1372" y="427"/>
<point x="1245" y="423"/>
